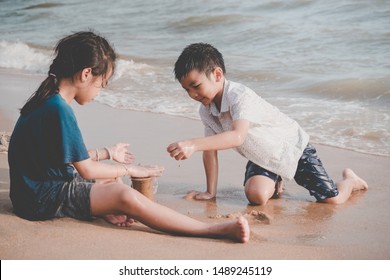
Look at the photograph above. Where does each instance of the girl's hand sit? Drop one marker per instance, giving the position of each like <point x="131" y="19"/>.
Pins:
<point x="120" y="153"/>
<point x="146" y="171"/>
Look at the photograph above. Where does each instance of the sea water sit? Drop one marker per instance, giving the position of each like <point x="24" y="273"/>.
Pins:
<point x="325" y="63"/>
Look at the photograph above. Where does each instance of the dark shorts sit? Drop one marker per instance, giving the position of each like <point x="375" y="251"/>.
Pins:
<point x="310" y="174"/>
<point x="253" y="169"/>
<point x="73" y="199"/>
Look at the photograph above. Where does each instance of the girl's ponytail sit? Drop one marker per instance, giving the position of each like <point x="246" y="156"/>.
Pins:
<point x="47" y="88"/>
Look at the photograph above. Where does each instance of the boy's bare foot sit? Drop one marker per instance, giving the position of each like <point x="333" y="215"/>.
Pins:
<point x="119" y="220"/>
<point x="360" y="184"/>
<point x="236" y="230"/>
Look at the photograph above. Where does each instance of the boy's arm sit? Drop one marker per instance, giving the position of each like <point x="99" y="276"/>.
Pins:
<point x="225" y="140"/>
<point x="210" y="161"/>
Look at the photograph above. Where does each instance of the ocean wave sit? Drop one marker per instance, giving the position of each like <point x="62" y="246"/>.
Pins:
<point x="210" y="21"/>
<point x="376" y="91"/>
<point x="44" y="6"/>
<point x="19" y="55"/>
<point x="23" y="56"/>
<point x="129" y="68"/>
<point x="352" y="89"/>
<point x="335" y="110"/>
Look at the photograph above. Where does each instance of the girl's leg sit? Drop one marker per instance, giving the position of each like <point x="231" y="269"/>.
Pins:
<point x="119" y="199"/>
<point x="118" y="220"/>
<point x="259" y="189"/>
<point x="351" y="182"/>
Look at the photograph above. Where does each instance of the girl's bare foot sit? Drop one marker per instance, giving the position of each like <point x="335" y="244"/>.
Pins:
<point x="360" y="184"/>
<point x="119" y="220"/>
<point x="237" y="230"/>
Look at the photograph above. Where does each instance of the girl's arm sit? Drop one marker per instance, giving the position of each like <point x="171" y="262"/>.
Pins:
<point x="225" y="140"/>
<point x="118" y="152"/>
<point x="90" y="169"/>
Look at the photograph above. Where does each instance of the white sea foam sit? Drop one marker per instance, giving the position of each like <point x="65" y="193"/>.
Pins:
<point x="19" y="55"/>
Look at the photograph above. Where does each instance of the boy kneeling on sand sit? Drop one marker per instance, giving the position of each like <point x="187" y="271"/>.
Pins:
<point x="236" y="117"/>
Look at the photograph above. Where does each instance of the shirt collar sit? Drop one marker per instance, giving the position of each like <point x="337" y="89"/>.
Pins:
<point x="224" y="104"/>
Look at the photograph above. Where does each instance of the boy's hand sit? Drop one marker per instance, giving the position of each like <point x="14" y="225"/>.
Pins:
<point x="199" y="195"/>
<point x="181" y="150"/>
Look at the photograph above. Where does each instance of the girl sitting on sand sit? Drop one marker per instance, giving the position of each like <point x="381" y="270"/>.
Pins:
<point x="52" y="173"/>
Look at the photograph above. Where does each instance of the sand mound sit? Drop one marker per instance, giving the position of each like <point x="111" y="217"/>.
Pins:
<point x="4" y="141"/>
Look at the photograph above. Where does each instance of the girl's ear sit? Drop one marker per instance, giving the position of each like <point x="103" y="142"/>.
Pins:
<point x="85" y="74"/>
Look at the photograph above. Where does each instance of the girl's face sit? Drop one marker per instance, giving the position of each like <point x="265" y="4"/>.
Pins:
<point x="202" y="88"/>
<point x="91" y="88"/>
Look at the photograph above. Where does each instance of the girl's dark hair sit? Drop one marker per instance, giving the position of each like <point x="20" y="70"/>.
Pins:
<point x="199" y="56"/>
<point x="74" y="53"/>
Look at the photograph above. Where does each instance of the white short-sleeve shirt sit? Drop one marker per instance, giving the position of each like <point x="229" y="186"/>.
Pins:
<point x="274" y="141"/>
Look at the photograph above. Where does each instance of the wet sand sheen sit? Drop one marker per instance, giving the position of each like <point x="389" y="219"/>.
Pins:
<point x="291" y="227"/>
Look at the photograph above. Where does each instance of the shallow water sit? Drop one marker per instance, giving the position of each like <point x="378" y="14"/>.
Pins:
<point x="324" y="63"/>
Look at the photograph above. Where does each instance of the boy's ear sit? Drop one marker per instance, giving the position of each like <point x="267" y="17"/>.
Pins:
<point x="218" y="73"/>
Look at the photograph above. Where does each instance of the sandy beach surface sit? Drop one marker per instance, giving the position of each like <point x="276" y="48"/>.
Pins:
<point x="293" y="227"/>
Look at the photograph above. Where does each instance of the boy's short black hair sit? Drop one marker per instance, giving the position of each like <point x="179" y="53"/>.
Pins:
<point x="200" y="56"/>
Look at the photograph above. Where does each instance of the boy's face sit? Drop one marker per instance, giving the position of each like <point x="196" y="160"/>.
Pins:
<point x="202" y="88"/>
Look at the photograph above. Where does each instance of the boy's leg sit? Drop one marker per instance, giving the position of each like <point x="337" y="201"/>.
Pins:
<point x="120" y="199"/>
<point x="261" y="184"/>
<point x="259" y="189"/>
<point x="312" y="175"/>
<point x="351" y="182"/>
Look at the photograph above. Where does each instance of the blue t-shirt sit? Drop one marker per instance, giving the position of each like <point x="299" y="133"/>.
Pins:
<point x="43" y="145"/>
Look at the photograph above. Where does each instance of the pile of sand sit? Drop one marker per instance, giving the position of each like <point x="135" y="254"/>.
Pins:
<point x="4" y="141"/>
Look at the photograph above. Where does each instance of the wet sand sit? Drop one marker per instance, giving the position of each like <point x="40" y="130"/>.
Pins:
<point x="293" y="227"/>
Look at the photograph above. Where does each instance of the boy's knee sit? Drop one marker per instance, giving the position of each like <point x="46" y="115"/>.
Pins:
<point x="258" y="201"/>
<point x="259" y="189"/>
<point x="256" y="197"/>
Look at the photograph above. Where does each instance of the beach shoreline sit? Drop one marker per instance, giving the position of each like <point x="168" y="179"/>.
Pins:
<point x="292" y="227"/>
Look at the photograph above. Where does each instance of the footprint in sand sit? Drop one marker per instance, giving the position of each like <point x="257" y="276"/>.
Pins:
<point x="258" y="216"/>
<point x="253" y="216"/>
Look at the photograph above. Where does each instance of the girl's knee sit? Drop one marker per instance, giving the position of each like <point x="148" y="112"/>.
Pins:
<point x="126" y="196"/>
<point x="131" y="201"/>
<point x="111" y="198"/>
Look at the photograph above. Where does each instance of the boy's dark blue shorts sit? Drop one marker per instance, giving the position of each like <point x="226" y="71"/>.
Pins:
<point x="253" y="169"/>
<point x="310" y="174"/>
